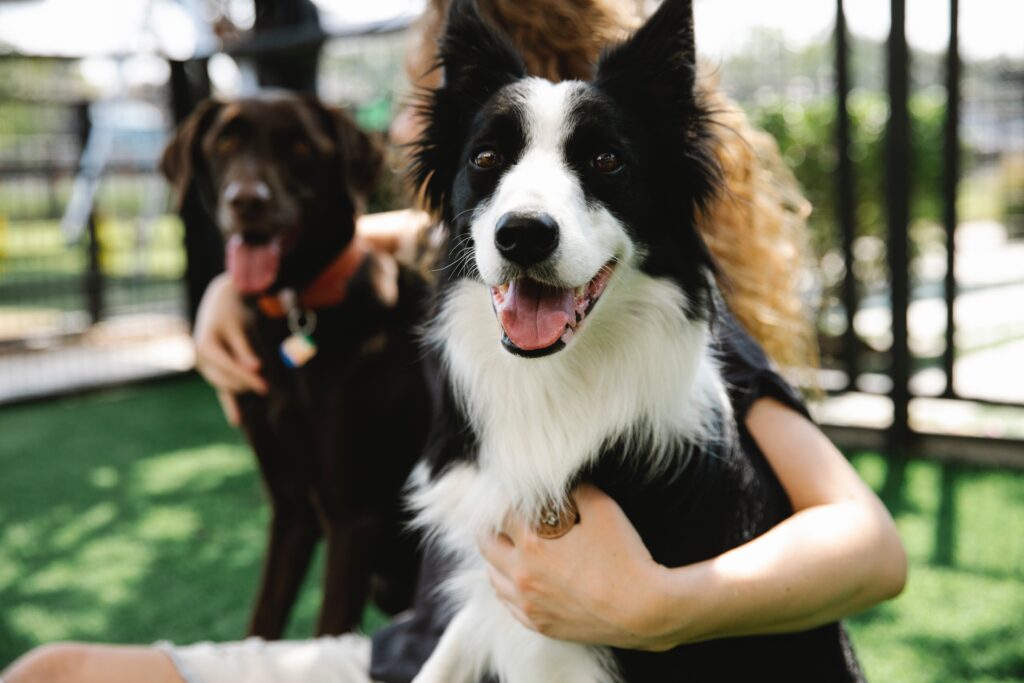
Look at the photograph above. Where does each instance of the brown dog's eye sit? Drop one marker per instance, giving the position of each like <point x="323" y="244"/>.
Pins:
<point x="227" y="144"/>
<point x="486" y="158"/>
<point x="606" y="162"/>
<point x="301" y="150"/>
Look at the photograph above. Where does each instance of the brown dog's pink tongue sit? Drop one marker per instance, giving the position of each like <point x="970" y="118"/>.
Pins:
<point x="533" y="315"/>
<point x="253" y="267"/>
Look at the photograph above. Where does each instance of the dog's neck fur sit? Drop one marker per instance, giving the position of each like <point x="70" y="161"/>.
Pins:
<point x="641" y="373"/>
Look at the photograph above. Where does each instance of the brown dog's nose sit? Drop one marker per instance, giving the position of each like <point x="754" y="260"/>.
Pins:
<point x="249" y="199"/>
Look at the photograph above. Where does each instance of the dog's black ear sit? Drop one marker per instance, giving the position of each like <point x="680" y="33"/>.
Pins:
<point x="477" y="60"/>
<point x="181" y="158"/>
<point x="653" y="76"/>
<point x="655" y="69"/>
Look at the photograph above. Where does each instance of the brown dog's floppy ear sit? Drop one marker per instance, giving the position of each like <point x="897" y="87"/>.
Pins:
<point x="362" y="157"/>
<point x="178" y="163"/>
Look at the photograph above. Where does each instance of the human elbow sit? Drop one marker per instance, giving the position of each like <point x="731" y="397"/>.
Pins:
<point x="890" y="561"/>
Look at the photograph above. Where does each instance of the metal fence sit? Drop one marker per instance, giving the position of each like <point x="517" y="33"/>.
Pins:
<point x="98" y="276"/>
<point x="90" y="262"/>
<point x="933" y="378"/>
<point x="938" y="335"/>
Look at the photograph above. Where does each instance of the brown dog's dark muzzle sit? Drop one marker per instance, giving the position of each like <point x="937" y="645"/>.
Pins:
<point x="250" y="200"/>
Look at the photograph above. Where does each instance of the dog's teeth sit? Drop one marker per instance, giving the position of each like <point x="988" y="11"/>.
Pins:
<point x="580" y="291"/>
<point x="567" y="335"/>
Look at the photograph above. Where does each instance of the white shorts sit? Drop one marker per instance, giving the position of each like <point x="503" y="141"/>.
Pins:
<point x="337" y="659"/>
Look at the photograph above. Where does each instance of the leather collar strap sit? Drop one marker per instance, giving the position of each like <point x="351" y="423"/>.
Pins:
<point x="328" y="289"/>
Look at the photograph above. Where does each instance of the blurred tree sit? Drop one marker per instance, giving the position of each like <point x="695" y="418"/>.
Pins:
<point x="806" y="135"/>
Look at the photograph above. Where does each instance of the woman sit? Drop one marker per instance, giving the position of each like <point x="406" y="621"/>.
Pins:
<point x="837" y="554"/>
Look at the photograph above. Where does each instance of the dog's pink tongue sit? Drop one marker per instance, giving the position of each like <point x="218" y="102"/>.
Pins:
<point x="253" y="267"/>
<point x="533" y="315"/>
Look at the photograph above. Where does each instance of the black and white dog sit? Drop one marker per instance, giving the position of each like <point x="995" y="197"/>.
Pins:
<point x="573" y="331"/>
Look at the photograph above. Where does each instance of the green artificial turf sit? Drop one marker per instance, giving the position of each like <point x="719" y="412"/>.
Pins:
<point x="136" y="515"/>
<point x="130" y="516"/>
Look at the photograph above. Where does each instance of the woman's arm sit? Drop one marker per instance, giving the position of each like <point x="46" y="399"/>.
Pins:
<point x="224" y="356"/>
<point x="837" y="554"/>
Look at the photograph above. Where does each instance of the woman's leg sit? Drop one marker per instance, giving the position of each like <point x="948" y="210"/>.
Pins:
<point x="330" y="659"/>
<point x="81" y="663"/>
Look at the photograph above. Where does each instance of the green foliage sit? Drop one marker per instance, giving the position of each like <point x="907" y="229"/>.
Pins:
<point x="806" y="134"/>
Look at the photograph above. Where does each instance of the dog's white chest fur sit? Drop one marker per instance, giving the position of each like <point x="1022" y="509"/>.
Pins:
<point x="640" y="372"/>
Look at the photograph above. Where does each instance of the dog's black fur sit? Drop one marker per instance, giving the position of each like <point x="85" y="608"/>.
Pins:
<point x="325" y="435"/>
<point x="643" y="103"/>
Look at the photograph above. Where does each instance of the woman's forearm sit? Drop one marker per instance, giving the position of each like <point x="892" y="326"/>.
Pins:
<point x="773" y="584"/>
<point x="839" y="552"/>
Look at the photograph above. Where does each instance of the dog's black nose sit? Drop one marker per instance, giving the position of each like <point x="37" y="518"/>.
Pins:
<point x="526" y="238"/>
<point x="249" y="199"/>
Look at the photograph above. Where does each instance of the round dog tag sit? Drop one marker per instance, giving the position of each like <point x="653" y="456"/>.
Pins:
<point x="556" y="521"/>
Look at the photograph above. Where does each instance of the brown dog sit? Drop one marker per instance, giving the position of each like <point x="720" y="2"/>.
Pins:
<point x="333" y="322"/>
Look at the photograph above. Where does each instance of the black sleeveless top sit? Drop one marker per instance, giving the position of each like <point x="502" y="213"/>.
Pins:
<point x="402" y="647"/>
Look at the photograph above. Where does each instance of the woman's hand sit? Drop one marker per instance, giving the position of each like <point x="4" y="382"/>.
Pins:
<point x="223" y="354"/>
<point x="597" y="584"/>
<point x="839" y="553"/>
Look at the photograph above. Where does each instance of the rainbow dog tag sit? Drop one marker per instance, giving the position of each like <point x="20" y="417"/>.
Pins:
<point x="299" y="348"/>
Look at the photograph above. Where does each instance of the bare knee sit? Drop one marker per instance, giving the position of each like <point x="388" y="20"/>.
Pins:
<point x="54" y="663"/>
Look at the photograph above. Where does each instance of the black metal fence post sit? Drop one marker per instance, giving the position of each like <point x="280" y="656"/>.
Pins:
<point x="92" y="283"/>
<point x="204" y="256"/>
<point x="951" y="176"/>
<point x="897" y="182"/>
<point x="847" y="201"/>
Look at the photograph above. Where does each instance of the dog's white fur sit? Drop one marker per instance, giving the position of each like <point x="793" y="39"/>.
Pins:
<point x="638" y="370"/>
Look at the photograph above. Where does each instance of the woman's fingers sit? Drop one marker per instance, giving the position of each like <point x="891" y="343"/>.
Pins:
<point x="229" y="405"/>
<point x="497" y="549"/>
<point x="506" y="591"/>
<point x="225" y="373"/>
<point x="241" y="349"/>
<point x="223" y="353"/>
<point x="591" y="499"/>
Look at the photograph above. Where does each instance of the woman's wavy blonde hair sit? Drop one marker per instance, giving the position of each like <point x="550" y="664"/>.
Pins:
<point x="755" y="228"/>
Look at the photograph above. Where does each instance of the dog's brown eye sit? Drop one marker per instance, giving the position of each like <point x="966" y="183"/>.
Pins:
<point x="486" y="158"/>
<point x="607" y="162"/>
<point x="300" y="150"/>
<point x="227" y="144"/>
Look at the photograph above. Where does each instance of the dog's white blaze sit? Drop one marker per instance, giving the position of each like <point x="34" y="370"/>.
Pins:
<point x="637" y="370"/>
<point x="541" y="180"/>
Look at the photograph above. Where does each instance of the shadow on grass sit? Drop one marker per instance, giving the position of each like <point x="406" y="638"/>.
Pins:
<point x="971" y="656"/>
<point x="944" y="552"/>
<point x="962" y="508"/>
<point x="126" y="517"/>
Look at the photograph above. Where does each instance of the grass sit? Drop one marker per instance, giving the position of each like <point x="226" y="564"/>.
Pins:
<point x="136" y="515"/>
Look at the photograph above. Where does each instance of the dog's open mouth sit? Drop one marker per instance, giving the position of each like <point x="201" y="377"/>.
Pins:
<point x="253" y="267"/>
<point x="538" y="319"/>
